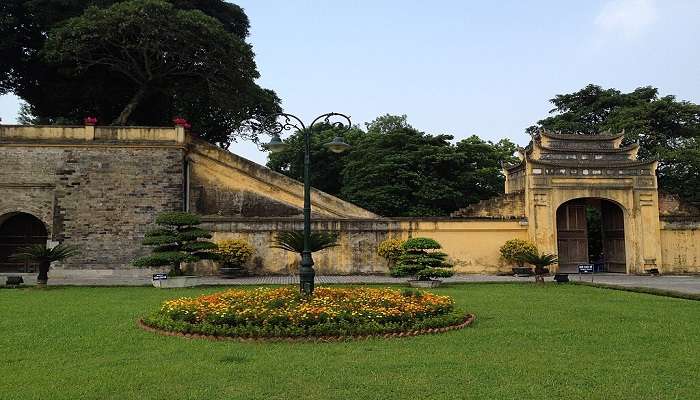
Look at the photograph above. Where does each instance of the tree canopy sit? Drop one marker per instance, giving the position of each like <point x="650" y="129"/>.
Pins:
<point x="667" y="129"/>
<point x="135" y="62"/>
<point x="395" y="170"/>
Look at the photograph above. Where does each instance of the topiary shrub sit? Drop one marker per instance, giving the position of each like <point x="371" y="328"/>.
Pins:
<point x="517" y="250"/>
<point x="177" y="240"/>
<point x="421" y="259"/>
<point x="233" y="254"/>
<point x="390" y="249"/>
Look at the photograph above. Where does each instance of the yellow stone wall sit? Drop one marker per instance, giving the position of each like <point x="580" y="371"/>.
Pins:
<point x="472" y="245"/>
<point x="680" y="247"/>
<point x="233" y="177"/>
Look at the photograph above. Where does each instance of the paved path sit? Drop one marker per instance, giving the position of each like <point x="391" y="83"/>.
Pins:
<point x="685" y="284"/>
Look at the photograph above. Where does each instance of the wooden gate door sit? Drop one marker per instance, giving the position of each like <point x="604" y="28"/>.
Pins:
<point x="572" y="235"/>
<point x="18" y="231"/>
<point x="613" y="222"/>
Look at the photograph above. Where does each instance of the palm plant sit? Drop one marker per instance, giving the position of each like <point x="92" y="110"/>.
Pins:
<point x="294" y="241"/>
<point x="540" y="261"/>
<point x="44" y="256"/>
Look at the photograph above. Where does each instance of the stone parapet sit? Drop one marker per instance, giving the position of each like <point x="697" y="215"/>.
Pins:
<point x="73" y="134"/>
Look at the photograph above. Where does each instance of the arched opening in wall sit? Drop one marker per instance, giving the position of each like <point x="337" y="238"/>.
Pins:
<point x="18" y="230"/>
<point x="591" y="230"/>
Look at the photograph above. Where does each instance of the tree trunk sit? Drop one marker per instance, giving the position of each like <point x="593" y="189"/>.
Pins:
<point x="123" y="118"/>
<point x="175" y="269"/>
<point x="43" y="276"/>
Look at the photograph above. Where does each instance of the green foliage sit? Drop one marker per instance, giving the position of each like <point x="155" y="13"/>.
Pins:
<point x="177" y="240"/>
<point x="156" y="59"/>
<point x="163" y="258"/>
<point x="420" y="243"/>
<point x="419" y="259"/>
<point x="390" y="249"/>
<point x="667" y="129"/>
<point x="517" y="250"/>
<point x="428" y="273"/>
<point x="178" y="218"/>
<point x="395" y="170"/>
<point x="540" y="260"/>
<point x="294" y="241"/>
<point x="330" y="328"/>
<point x="41" y="254"/>
<point x="290" y="161"/>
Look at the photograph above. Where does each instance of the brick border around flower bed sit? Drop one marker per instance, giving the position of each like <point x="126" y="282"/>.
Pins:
<point x="468" y="319"/>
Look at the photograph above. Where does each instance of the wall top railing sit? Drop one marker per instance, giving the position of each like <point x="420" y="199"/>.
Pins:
<point x="9" y="133"/>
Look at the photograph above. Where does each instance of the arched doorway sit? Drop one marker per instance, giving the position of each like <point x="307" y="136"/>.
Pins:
<point x="591" y="230"/>
<point x="18" y="230"/>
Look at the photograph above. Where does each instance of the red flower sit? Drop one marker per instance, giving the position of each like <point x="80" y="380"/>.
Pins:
<point x="91" y="121"/>
<point x="179" y="121"/>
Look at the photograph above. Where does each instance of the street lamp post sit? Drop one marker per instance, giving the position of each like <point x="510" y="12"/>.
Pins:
<point x="277" y="124"/>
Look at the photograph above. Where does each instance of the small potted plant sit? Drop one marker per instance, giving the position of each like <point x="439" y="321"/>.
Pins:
<point x="44" y="256"/>
<point x="541" y="261"/>
<point x="177" y="240"/>
<point x="233" y="254"/>
<point x="516" y="251"/>
<point x="422" y="260"/>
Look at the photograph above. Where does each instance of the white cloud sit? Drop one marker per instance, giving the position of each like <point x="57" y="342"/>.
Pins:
<point x="630" y="18"/>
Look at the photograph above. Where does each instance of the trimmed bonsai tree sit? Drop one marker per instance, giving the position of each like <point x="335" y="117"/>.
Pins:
<point x="294" y="241"/>
<point x="541" y="261"/>
<point x="421" y="259"/>
<point x="233" y="254"/>
<point x="178" y="239"/>
<point x="44" y="256"/>
<point x="516" y="251"/>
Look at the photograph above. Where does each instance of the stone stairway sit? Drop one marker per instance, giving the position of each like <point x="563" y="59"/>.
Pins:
<point x="507" y="206"/>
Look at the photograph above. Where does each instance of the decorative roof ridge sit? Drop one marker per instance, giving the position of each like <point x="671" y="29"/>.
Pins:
<point x="605" y="135"/>
<point x="593" y="163"/>
<point x="513" y="167"/>
<point x="623" y="149"/>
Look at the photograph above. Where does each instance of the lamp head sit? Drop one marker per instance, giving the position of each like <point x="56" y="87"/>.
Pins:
<point x="276" y="144"/>
<point x="337" y="145"/>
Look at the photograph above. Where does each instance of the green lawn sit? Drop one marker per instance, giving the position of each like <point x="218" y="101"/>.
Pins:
<point x="528" y="342"/>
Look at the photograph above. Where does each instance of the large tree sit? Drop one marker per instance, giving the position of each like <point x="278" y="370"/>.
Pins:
<point x="395" y="170"/>
<point x="667" y="129"/>
<point x="64" y="59"/>
<point x="326" y="167"/>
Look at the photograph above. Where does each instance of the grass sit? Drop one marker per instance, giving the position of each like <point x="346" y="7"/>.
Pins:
<point x="566" y="341"/>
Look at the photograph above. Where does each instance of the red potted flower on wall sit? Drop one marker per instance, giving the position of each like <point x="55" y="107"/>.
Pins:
<point x="179" y="121"/>
<point x="90" y="121"/>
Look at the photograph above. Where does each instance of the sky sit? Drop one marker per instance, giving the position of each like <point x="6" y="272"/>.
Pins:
<point x="462" y="67"/>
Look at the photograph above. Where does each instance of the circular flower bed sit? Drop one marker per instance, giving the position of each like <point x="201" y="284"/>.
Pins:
<point x="283" y="312"/>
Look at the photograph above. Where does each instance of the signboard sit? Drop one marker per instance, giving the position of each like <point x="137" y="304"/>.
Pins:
<point x="586" y="268"/>
<point x="160" y="277"/>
